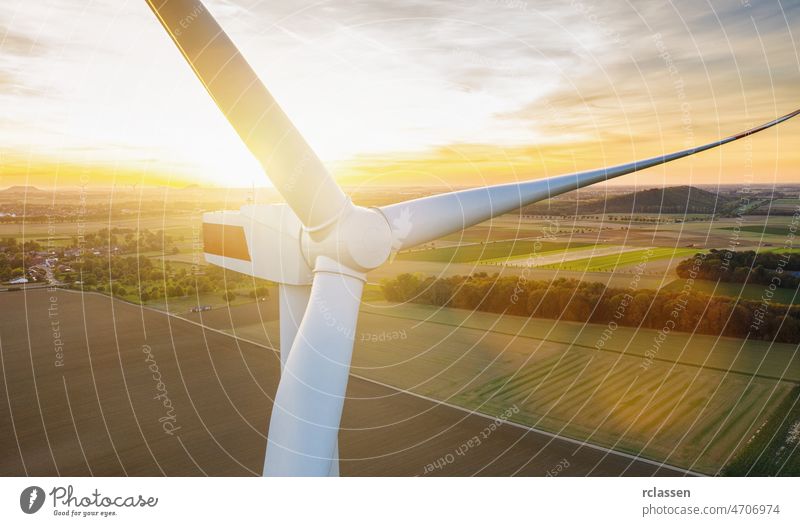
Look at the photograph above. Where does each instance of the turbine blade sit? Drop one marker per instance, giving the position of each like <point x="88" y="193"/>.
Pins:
<point x="288" y="160"/>
<point x="304" y="426"/>
<point x="421" y="220"/>
<point x="292" y="302"/>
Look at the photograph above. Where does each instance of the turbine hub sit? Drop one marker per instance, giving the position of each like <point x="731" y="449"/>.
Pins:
<point x="361" y="239"/>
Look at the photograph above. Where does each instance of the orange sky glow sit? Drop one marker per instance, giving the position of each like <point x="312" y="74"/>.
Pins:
<point x="445" y="93"/>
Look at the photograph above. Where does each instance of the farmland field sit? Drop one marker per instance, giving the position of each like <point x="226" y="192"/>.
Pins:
<point x="781" y="250"/>
<point x="783" y="205"/>
<point x="750" y="291"/>
<point x="96" y="415"/>
<point x="773" y="230"/>
<point x="557" y="255"/>
<point x="622" y="278"/>
<point x="609" y="262"/>
<point x="481" y="251"/>
<point x="693" y="407"/>
<point x="65" y="230"/>
<point x="774" y="450"/>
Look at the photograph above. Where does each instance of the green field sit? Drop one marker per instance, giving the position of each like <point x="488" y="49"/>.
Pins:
<point x="691" y="408"/>
<point x="483" y="251"/>
<point x="750" y="291"/>
<point x="772" y="230"/>
<point x="780" y="250"/>
<point x="773" y="451"/>
<point x="609" y="263"/>
<point x="524" y="257"/>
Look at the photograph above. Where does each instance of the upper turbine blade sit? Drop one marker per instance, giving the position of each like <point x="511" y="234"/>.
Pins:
<point x="421" y="220"/>
<point x="288" y="160"/>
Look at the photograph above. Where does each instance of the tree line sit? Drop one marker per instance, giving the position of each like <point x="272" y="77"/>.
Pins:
<point x="140" y="279"/>
<point x="573" y="300"/>
<point x="746" y="267"/>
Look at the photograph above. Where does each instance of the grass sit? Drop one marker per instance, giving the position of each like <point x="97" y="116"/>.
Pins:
<point x="608" y="263"/>
<point x="182" y="304"/>
<point x="780" y="250"/>
<point x="773" y="230"/>
<point x="483" y="251"/>
<point x="523" y="257"/>
<point x="751" y="291"/>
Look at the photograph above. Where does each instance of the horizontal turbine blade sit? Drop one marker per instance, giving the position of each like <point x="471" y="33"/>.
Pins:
<point x="288" y="160"/>
<point x="421" y="220"/>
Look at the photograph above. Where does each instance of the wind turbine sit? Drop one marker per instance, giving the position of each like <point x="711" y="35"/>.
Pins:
<point x="319" y="246"/>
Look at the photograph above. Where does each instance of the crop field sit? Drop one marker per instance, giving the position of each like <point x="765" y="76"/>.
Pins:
<point x="750" y="291"/>
<point x="772" y="230"/>
<point x="183" y="304"/>
<point x="513" y="226"/>
<point x="493" y="232"/>
<point x="575" y="252"/>
<point x="483" y="251"/>
<point x="67" y="229"/>
<point x="694" y="406"/>
<point x="648" y="280"/>
<point x="96" y="415"/>
<point x="786" y="201"/>
<point x="779" y="205"/>
<point x="610" y="262"/>
<point x="774" y="450"/>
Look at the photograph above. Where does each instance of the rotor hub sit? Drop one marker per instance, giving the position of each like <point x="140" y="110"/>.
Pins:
<point x="361" y="239"/>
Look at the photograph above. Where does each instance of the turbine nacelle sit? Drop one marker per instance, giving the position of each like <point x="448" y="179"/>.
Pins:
<point x="270" y="242"/>
<point x="259" y="240"/>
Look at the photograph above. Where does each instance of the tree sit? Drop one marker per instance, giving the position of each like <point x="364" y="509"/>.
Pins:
<point x="175" y="291"/>
<point x="229" y="296"/>
<point x="259" y="292"/>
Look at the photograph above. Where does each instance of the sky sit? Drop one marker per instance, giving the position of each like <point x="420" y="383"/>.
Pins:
<point x="452" y="93"/>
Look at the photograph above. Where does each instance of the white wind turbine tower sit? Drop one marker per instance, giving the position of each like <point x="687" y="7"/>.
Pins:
<point x="319" y="246"/>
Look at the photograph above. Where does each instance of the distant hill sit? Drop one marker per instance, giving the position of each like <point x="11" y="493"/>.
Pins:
<point x="670" y="200"/>
<point x="21" y="189"/>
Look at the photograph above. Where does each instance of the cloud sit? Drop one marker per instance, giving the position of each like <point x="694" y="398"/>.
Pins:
<point x="366" y="80"/>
